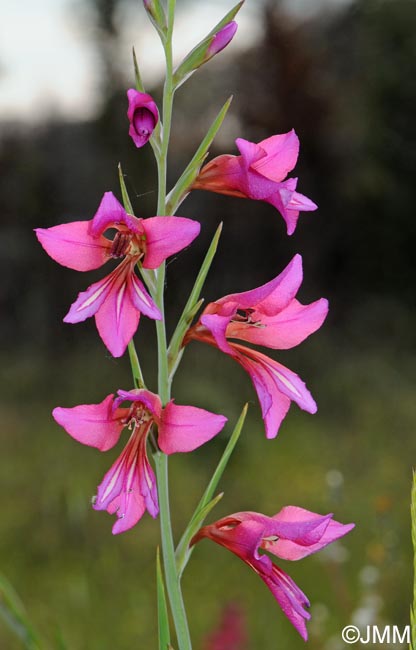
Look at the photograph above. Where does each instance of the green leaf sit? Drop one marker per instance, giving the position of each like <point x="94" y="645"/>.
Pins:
<point x="183" y="185"/>
<point x="162" y="609"/>
<point x="192" y="305"/>
<point x="13" y="613"/>
<point x="137" y="75"/>
<point x="412" y="644"/>
<point x="183" y="552"/>
<point x="126" y="199"/>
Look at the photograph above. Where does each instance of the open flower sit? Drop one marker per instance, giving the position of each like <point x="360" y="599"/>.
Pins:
<point x="119" y="298"/>
<point x="271" y="316"/>
<point x="291" y="534"/>
<point x="143" y="116"/>
<point x="259" y="173"/>
<point x="129" y="487"/>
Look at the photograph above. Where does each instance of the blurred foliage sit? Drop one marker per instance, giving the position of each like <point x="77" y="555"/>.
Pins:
<point x="346" y="82"/>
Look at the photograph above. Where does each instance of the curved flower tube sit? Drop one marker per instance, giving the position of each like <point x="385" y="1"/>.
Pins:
<point x="119" y="298"/>
<point x="271" y="316"/>
<point x="291" y="534"/>
<point x="259" y="173"/>
<point x="129" y="487"/>
<point x="143" y="116"/>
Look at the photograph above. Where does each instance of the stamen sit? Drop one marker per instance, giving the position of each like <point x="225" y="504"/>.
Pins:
<point x="243" y="316"/>
<point x="121" y="244"/>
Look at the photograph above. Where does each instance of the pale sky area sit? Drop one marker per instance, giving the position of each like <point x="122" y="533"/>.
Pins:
<point x="48" y="66"/>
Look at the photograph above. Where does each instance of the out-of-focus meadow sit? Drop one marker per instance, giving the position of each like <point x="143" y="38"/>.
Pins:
<point x="346" y="81"/>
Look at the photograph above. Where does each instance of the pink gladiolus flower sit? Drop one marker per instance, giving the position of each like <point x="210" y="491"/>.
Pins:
<point x="259" y="173"/>
<point x="271" y="316"/>
<point x="129" y="487"/>
<point x="119" y="298"/>
<point x="291" y="534"/>
<point x="143" y="116"/>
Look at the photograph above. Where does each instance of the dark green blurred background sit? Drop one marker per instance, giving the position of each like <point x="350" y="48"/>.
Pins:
<point x="346" y="81"/>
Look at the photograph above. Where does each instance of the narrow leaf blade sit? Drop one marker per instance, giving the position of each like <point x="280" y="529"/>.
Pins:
<point x="191" y="305"/>
<point x="183" y="185"/>
<point x="183" y="552"/>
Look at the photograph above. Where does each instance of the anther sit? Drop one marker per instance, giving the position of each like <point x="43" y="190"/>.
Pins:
<point x="121" y="244"/>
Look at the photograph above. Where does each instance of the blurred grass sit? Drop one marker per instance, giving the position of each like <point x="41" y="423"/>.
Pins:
<point x="353" y="458"/>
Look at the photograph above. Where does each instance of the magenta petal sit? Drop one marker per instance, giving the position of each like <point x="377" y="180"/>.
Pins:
<point x="147" y="480"/>
<point x="290" y="598"/>
<point x="292" y="550"/>
<point x="110" y="213"/>
<point x="119" y="492"/>
<point x="287" y="329"/>
<point x="275" y="294"/>
<point x="131" y="507"/>
<point x="282" y="153"/>
<point x="184" y="428"/>
<point x="151" y="401"/>
<point x="217" y="325"/>
<point x="117" y="319"/>
<point x="166" y="236"/>
<point x="73" y="245"/>
<point x="88" y="302"/>
<point x="275" y="385"/>
<point x="92" y="424"/>
<point x="141" y="299"/>
<point x="250" y="151"/>
<point x="273" y="403"/>
<point x="300" y="202"/>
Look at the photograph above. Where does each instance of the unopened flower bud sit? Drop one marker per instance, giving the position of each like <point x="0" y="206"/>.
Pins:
<point x="143" y="116"/>
<point x="221" y="39"/>
<point x="156" y="14"/>
<point x="204" y="51"/>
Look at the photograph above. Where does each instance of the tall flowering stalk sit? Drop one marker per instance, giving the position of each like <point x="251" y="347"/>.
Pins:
<point x="269" y="316"/>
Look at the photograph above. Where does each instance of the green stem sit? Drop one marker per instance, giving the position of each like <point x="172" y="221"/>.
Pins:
<point x="161" y="460"/>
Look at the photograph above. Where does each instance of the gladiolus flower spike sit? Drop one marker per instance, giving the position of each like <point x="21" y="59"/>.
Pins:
<point x="258" y="173"/>
<point x="271" y="316"/>
<point x="143" y="116"/>
<point x="119" y="298"/>
<point x="129" y="487"/>
<point x="291" y="534"/>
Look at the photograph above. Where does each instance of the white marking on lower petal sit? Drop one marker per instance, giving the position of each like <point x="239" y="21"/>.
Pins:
<point x="285" y="381"/>
<point x="97" y="293"/>
<point x="140" y="293"/>
<point x="119" y="303"/>
<point x="112" y="483"/>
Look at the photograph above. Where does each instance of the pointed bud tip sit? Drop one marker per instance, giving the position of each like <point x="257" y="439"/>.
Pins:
<point x="222" y="38"/>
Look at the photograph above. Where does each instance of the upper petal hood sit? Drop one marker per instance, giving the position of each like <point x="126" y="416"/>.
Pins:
<point x="295" y="549"/>
<point x="281" y="156"/>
